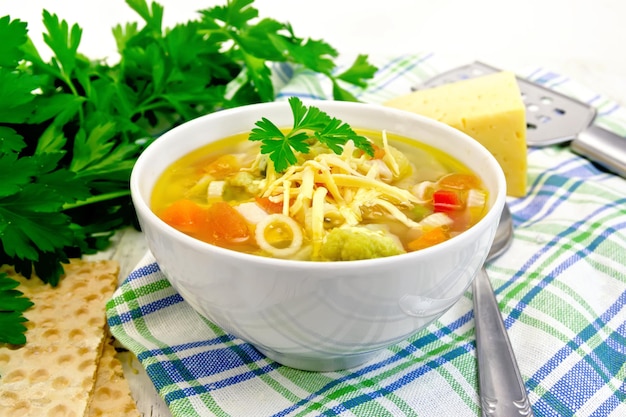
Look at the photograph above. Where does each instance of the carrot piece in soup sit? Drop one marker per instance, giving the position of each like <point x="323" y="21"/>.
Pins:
<point x="186" y="216"/>
<point x="225" y="225"/>
<point x="269" y="206"/>
<point x="220" y="223"/>
<point x="222" y="167"/>
<point x="379" y="153"/>
<point x="428" y="239"/>
<point x="459" y="181"/>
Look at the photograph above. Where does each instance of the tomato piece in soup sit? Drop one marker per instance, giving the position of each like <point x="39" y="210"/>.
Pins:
<point x="445" y="201"/>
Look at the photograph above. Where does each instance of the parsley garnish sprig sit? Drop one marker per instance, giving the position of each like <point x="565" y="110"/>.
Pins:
<point x="309" y="123"/>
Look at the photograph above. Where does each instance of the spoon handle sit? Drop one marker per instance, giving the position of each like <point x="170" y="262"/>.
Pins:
<point x="502" y="391"/>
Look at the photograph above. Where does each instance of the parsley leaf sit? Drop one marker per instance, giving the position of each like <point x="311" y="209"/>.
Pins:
<point x="31" y="218"/>
<point x="12" y="305"/>
<point x="358" y="72"/>
<point x="308" y="123"/>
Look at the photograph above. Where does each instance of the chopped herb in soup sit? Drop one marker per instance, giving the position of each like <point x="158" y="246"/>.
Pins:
<point x="354" y="195"/>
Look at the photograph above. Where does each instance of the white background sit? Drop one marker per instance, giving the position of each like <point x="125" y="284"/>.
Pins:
<point x="582" y="39"/>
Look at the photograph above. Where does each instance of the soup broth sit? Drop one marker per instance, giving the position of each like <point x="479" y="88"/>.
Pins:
<point x="328" y="207"/>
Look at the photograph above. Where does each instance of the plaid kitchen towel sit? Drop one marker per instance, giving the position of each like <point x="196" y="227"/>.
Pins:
<point x="561" y="288"/>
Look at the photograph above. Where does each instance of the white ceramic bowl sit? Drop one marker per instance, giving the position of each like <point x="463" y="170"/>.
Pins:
<point x="312" y="315"/>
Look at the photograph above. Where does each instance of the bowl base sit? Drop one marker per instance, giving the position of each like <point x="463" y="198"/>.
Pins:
<point x="316" y="364"/>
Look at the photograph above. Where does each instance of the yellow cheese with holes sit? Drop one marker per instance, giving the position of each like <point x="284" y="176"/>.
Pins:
<point x="489" y="109"/>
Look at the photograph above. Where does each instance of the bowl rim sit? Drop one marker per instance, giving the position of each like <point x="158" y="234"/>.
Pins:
<point x="143" y="208"/>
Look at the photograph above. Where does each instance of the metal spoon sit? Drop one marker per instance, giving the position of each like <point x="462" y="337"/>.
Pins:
<point x="502" y="391"/>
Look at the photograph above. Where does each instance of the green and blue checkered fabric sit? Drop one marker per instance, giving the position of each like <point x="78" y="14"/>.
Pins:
<point x="561" y="289"/>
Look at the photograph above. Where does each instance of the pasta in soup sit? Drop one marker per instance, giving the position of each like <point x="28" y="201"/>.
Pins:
<point x="327" y="206"/>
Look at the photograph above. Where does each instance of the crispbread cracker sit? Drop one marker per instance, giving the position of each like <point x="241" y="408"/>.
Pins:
<point x="111" y="394"/>
<point x="53" y="374"/>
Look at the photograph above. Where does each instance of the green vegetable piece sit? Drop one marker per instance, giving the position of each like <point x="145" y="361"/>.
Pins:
<point x="246" y="181"/>
<point x="355" y="243"/>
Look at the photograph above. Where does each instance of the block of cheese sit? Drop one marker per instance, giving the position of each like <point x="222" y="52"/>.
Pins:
<point x="488" y="108"/>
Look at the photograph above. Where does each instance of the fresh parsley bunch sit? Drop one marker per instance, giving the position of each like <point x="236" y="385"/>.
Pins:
<point x="71" y="128"/>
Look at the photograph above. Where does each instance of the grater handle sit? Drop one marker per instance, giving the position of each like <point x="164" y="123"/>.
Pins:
<point x="602" y="147"/>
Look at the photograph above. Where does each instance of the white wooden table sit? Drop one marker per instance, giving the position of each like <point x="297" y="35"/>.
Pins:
<point x="578" y="38"/>
<point x="128" y="247"/>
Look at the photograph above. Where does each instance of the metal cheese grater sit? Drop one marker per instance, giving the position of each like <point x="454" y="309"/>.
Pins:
<point x="553" y="118"/>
